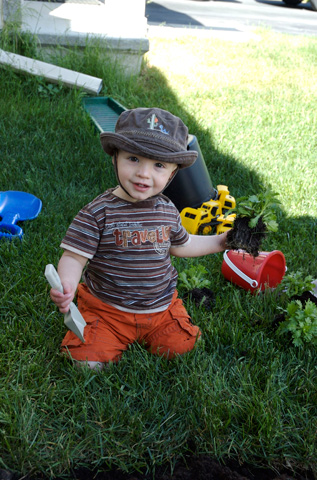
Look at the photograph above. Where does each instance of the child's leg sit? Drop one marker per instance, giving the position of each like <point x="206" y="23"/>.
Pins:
<point x="173" y="332"/>
<point x="107" y="334"/>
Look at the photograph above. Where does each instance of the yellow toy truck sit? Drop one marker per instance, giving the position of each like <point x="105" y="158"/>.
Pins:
<point x="211" y="215"/>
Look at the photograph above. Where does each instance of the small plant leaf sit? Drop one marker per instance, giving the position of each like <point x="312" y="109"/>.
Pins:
<point x="296" y="283"/>
<point x="272" y="226"/>
<point x="254" y="199"/>
<point x="301" y="322"/>
<point x="254" y="221"/>
<point x="254" y="207"/>
<point x="193" y="277"/>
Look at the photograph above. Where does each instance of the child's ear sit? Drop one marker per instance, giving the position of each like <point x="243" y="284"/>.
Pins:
<point x="173" y="173"/>
<point x="114" y="157"/>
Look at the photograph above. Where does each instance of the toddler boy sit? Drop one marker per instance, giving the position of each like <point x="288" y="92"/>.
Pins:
<point x="123" y="241"/>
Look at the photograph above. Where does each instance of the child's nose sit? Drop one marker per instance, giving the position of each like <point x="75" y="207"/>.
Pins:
<point x="144" y="170"/>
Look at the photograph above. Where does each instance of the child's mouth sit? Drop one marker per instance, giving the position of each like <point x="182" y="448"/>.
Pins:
<point x="141" y="187"/>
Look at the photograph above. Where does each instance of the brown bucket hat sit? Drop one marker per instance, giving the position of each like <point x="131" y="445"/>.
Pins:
<point x="152" y="133"/>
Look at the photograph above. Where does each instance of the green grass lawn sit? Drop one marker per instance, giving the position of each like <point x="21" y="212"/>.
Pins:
<point x="244" y="393"/>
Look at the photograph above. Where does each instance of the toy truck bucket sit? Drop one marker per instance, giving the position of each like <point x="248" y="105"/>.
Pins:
<point x="191" y="186"/>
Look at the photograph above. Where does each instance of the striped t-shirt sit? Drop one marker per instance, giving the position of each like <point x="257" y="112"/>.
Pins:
<point x="128" y="245"/>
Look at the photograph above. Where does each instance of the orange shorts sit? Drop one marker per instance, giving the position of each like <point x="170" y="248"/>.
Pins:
<point x="110" y="331"/>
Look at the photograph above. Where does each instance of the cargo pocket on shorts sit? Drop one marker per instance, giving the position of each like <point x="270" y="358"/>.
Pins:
<point x="181" y="316"/>
<point x="186" y="325"/>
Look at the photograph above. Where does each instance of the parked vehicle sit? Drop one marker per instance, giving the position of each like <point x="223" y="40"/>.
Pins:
<point x="293" y="3"/>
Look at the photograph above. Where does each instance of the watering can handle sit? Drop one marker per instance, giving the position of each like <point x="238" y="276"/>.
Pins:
<point x="236" y="270"/>
<point x="7" y="230"/>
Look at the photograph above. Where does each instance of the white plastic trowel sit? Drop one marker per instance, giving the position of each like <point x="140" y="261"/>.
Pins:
<point x="73" y="319"/>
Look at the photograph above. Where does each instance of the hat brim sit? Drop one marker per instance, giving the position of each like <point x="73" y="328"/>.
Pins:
<point x="111" y="142"/>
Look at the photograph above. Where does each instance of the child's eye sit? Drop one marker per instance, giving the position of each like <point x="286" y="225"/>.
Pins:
<point x="160" y="165"/>
<point x="133" y="159"/>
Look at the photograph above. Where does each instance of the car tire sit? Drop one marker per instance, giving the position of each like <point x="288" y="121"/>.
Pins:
<point x="292" y="3"/>
<point x="313" y="5"/>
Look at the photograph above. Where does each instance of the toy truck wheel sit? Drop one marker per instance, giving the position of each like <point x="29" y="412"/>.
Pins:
<point x="204" y="229"/>
<point x="207" y="230"/>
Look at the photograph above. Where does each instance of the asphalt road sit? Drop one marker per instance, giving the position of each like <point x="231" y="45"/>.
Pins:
<point x="229" y="16"/>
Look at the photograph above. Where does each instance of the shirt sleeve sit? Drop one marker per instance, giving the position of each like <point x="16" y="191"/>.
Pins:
<point x="83" y="235"/>
<point x="180" y="236"/>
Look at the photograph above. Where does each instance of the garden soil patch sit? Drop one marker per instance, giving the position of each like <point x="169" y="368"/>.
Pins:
<point x="201" y="297"/>
<point x="195" y="468"/>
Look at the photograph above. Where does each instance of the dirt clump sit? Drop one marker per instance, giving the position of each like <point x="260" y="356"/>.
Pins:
<point x="243" y="237"/>
<point x="202" y="297"/>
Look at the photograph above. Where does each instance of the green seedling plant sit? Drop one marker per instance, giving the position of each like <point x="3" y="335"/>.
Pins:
<point x="254" y="207"/>
<point x="193" y="277"/>
<point x="255" y="217"/>
<point x="295" y="284"/>
<point x="301" y="322"/>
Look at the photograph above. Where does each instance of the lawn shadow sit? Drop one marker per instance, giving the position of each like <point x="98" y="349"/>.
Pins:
<point x="228" y="170"/>
<point x="223" y="169"/>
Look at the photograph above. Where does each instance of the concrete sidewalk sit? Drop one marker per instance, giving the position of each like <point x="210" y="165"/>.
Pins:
<point x="72" y="23"/>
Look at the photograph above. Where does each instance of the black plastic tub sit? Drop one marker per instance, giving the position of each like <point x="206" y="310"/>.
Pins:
<point x="191" y="186"/>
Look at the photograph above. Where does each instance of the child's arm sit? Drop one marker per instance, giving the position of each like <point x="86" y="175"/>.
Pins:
<point x="70" y="269"/>
<point x="200" y="245"/>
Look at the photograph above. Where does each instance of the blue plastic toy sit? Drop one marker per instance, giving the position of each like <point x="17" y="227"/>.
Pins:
<point x="16" y="207"/>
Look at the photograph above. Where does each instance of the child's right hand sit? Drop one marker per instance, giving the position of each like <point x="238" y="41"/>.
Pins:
<point x="70" y="268"/>
<point x="63" y="300"/>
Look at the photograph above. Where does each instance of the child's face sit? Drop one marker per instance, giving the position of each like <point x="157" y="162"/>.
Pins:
<point x="141" y="177"/>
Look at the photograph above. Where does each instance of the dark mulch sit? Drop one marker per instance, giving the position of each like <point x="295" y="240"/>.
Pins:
<point x="206" y="468"/>
<point x="196" y="468"/>
<point x="305" y="296"/>
<point x="241" y="236"/>
<point x="201" y="297"/>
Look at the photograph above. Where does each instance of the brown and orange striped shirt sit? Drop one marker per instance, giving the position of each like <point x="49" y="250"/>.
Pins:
<point x="128" y="245"/>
